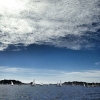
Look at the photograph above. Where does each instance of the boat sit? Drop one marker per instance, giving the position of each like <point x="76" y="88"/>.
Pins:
<point x="60" y="84"/>
<point x="33" y="83"/>
<point x="48" y="84"/>
<point x="72" y="84"/>
<point x="93" y="85"/>
<point x="41" y="84"/>
<point x="12" y="83"/>
<point x="57" y="84"/>
<point x="83" y="84"/>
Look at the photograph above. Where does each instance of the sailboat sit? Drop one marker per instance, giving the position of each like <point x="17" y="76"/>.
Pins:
<point x="84" y="84"/>
<point x="41" y="84"/>
<point x="33" y="83"/>
<point x="60" y="84"/>
<point x="12" y="83"/>
<point x="72" y="84"/>
<point x="57" y="84"/>
<point x="93" y="85"/>
<point x="48" y="84"/>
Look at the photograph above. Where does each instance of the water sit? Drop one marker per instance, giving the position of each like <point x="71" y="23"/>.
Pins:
<point x="51" y="92"/>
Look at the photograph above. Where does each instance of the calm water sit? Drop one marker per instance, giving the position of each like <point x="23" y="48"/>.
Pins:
<point x="27" y="92"/>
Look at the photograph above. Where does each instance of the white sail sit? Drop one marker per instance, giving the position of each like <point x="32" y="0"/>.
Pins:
<point x="84" y="84"/>
<point x="72" y="84"/>
<point x="48" y="84"/>
<point x="33" y="83"/>
<point x="92" y="85"/>
<point x="41" y="84"/>
<point x="12" y="83"/>
<point x="57" y="84"/>
<point x="60" y="84"/>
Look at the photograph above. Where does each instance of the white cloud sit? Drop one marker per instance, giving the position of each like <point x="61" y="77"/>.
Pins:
<point x="60" y="23"/>
<point x="97" y="63"/>
<point x="46" y="75"/>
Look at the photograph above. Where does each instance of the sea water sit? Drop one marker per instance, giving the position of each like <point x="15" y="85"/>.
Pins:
<point x="51" y="92"/>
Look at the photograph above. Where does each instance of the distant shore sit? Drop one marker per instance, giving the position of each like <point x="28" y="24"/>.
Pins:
<point x="5" y="81"/>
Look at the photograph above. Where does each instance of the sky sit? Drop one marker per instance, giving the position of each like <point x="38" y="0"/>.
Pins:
<point x="50" y="40"/>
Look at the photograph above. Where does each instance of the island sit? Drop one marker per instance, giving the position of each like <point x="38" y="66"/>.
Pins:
<point x="5" y="81"/>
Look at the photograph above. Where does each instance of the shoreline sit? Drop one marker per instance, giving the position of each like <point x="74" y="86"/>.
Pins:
<point x="73" y="83"/>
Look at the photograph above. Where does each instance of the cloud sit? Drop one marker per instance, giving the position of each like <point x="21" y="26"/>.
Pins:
<point x="97" y="63"/>
<point x="46" y="75"/>
<point x="72" y="24"/>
